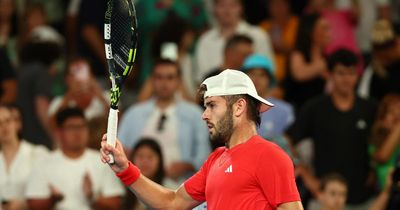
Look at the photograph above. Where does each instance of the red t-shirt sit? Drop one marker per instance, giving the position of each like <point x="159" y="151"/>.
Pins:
<point x="254" y="175"/>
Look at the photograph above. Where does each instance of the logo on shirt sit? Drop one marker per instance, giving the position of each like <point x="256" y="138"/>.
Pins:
<point x="229" y="169"/>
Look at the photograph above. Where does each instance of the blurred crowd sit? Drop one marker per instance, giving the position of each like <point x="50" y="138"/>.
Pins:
<point x="331" y="67"/>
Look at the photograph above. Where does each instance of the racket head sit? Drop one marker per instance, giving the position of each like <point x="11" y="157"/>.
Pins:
<point x="120" y="38"/>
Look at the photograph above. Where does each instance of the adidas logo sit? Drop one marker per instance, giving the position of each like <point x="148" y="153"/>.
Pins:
<point x="229" y="169"/>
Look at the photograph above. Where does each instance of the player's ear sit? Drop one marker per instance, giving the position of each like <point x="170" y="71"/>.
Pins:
<point x="239" y="107"/>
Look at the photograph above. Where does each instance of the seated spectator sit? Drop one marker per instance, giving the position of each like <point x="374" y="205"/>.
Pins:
<point x="71" y="177"/>
<point x="237" y="48"/>
<point x="17" y="157"/>
<point x="339" y="125"/>
<point x="333" y="193"/>
<point x="307" y="70"/>
<point x="282" y="27"/>
<point x="147" y="156"/>
<point x="174" y="123"/>
<point x="35" y="81"/>
<point x="83" y="92"/>
<point x="228" y="14"/>
<point x="274" y="124"/>
<point x="382" y="75"/>
<point x="385" y="137"/>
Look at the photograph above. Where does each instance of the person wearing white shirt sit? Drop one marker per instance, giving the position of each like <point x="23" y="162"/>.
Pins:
<point x="16" y="160"/>
<point x="228" y="14"/>
<point x="71" y="177"/>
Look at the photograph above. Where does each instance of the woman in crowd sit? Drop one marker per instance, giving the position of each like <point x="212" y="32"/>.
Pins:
<point x="385" y="138"/>
<point x="147" y="156"/>
<point x="307" y="66"/>
<point x="17" y="158"/>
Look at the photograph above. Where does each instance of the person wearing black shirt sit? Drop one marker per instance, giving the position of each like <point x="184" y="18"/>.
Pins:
<point x="339" y="126"/>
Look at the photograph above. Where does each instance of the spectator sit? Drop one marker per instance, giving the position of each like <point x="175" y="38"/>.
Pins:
<point x="152" y="14"/>
<point x="17" y="157"/>
<point x="388" y="198"/>
<point x="339" y="125"/>
<point x="307" y="66"/>
<point x="333" y="192"/>
<point x="274" y="124"/>
<point x="37" y="69"/>
<point x="385" y="138"/>
<point x="342" y="22"/>
<point x="71" y="177"/>
<point x="228" y="14"/>
<point x="381" y="76"/>
<point x="147" y="156"/>
<point x="237" y="48"/>
<point x="282" y="26"/>
<point x="174" y="123"/>
<point x="90" y="37"/>
<point x="83" y="92"/>
<point x="369" y="12"/>
<point x="173" y="40"/>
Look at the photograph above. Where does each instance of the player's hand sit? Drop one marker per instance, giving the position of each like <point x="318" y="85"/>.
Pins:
<point x="120" y="159"/>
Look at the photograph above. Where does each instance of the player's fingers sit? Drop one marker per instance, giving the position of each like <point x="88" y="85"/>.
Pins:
<point x="119" y="146"/>
<point x="104" y="138"/>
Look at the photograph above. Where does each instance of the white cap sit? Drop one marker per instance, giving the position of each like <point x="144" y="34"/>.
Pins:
<point x="233" y="82"/>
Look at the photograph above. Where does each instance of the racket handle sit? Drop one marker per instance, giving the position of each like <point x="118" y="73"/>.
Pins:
<point x="112" y="130"/>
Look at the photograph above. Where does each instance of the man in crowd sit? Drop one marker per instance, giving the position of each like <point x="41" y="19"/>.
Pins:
<point x="173" y="122"/>
<point x="339" y="126"/>
<point x="228" y="14"/>
<point x="71" y="178"/>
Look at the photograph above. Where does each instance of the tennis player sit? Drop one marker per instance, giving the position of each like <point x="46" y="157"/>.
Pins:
<point x="247" y="173"/>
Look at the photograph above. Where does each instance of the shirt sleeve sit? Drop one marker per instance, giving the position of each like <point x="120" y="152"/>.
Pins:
<point x="276" y="177"/>
<point x="195" y="186"/>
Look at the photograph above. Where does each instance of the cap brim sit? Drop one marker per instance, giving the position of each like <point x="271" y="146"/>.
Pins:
<point x="265" y="105"/>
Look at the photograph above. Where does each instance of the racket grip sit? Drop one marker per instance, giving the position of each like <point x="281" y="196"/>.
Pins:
<point x="112" y="130"/>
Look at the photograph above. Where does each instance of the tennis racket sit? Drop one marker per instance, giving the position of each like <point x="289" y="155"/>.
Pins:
<point x="120" y="40"/>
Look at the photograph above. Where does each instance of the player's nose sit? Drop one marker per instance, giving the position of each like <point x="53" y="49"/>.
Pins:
<point x="205" y="115"/>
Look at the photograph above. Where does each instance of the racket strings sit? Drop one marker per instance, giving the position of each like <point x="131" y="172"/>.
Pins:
<point x="121" y="41"/>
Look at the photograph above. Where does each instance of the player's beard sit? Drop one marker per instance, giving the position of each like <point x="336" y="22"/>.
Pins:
<point x="223" y="128"/>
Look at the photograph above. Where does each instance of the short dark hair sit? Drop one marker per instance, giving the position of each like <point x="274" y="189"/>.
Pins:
<point x="342" y="56"/>
<point x="154" y="146"/>
<point x="234" y="40"/>
<point x="253" y="105"/>
<point x="67" y="113"/>
<point x="332" y="177"/>
<point x="165" y="61"/>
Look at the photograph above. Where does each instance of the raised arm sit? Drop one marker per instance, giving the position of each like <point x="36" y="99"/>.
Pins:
<point x="149" y="192"/>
